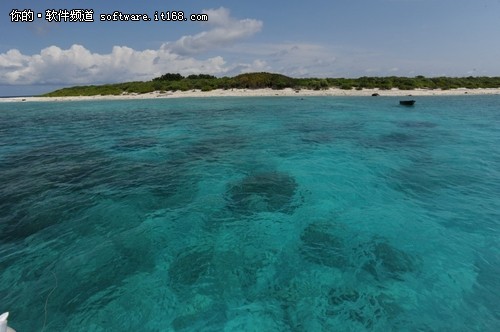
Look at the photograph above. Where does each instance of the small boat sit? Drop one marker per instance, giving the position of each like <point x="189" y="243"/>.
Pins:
<point x="3" y="323"/>
<point x="407" y="102"/>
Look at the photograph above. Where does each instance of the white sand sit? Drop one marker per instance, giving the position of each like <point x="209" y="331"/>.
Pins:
<point x="265" y="93"/>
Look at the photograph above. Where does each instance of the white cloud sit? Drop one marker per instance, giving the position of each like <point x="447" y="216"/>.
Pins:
<point x="294" y="59"/>
<point x="254" y="66"/>
<point x="78" y="65"/>
<point x="224" y="31"/>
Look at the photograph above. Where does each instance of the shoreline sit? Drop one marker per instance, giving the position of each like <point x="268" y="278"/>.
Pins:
<point x="288" y="92"/>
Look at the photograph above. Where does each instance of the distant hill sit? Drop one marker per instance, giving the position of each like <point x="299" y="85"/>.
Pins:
<point x="204" y="82"/>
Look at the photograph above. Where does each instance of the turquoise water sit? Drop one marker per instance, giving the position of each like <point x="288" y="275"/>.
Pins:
<point x="251" y="214"/>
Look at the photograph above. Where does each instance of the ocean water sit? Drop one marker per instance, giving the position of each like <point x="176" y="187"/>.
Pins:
<point x="251" y="214"/>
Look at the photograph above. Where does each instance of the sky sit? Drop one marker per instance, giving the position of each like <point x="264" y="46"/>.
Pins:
<point x="313" y="38"/>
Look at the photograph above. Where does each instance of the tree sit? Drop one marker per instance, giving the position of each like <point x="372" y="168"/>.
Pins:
<point x="169" y="77"/>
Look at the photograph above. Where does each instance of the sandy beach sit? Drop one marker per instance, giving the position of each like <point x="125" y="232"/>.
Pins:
<point x="264" y="93"/>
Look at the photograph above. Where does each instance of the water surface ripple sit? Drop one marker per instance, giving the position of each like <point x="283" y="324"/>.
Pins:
<point x="251" y="214"/>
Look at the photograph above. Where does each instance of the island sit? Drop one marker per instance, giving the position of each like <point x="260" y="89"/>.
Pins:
<point x="172" y="85"/>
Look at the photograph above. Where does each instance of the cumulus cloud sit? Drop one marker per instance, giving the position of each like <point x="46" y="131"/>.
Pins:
<point x="254" y="66"/>
<point x="224" y="31"/>
<point x="303" y="59"/>
<point x="78" y="65"/>
<point x="294" y="59"/>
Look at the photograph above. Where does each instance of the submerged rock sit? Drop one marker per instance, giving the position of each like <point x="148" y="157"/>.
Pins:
<point x="396" y="138"/>
<point x="189" y="266"/>
<point x="370" y="310"/>
<point x="485" y="290"/>
<point x="328" y="132"/>
<point x="99" y="274"/>
<point x="389" y="262"/>
<point x="201" y="314"/>
<point x="263" y="192"/>
<point x="416" y="124"/>
<point x="340" y="296"/>
<point x="136" y="143"/>
<point x="321" y="247"/>
<point x="211" y="149"/>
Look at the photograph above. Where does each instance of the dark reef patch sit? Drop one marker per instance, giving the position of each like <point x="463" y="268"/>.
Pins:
<point x="385" y="261"/>
<point x="327" y="132"/>
<point x="331" y="245"/>
<point x="416" y="124"/>
<point x="59" y="164"/>
<point x="338" y="297"/>
<point x="38" y="183"/>
<point x="136" y="143"/>
<point x="368" y="310"/>
<point x="210" y="149"/>
<point x="393" y="140"/>
<point x="396" y="139"/>
<point x="189" y="266"/>
<point x="485" y="290"/>
<point x="428" y="177"/>
<point x="127" y="253"/>
<point x="236" y="271"/>
<point x="31" y="218"/>
<point x="263" y="192"/>
<point x="321" y="246"/>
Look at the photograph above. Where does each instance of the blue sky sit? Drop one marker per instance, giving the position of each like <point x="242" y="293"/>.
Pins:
<point x="337" y="38"/>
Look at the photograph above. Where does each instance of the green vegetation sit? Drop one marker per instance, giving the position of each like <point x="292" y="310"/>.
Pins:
<point x="203" y="82"/>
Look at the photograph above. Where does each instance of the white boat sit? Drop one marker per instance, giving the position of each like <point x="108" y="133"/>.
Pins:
<point x="3" y="323"/>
